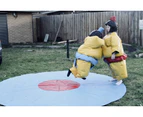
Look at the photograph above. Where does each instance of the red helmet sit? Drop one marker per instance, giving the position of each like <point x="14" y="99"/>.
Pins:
<point x="113" y="18"/>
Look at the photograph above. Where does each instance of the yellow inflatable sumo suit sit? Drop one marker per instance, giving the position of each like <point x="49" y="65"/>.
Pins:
<point x="113" y="47"/>
<point x="88" y="54"/>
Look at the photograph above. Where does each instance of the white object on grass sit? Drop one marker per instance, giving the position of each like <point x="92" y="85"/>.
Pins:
<point x="46" y="38"/>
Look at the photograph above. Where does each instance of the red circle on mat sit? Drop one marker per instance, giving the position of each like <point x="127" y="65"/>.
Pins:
<point x="58" y="85"/>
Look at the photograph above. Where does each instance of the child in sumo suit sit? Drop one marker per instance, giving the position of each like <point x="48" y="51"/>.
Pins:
<point x="113" y="52"/>
<point x="88" y="54"/>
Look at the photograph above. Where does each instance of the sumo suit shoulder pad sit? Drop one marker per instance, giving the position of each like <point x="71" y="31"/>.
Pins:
<point x="93" y="42"/>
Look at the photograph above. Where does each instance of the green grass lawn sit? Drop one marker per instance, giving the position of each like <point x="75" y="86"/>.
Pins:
<point x="18" y="61"/>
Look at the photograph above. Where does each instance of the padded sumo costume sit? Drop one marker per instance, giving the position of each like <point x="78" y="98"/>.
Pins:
<point x="113" y="44"/>
<point x="88" y="54"/>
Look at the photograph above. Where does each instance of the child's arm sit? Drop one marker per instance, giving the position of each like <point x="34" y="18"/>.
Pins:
<point x="114" y="55"/>
<point x="115" y="45"/>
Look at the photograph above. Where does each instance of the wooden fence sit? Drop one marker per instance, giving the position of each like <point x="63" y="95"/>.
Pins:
<point x="78" y="26"/>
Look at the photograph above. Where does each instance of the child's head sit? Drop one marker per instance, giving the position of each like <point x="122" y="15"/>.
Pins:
<point x="98" y="32"/>
<point x="111" y="25"/>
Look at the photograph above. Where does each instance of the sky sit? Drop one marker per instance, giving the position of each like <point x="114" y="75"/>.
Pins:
<point x="52" y="5"/>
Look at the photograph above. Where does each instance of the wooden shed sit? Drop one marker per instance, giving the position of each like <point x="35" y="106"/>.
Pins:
<point x="16" y="27"/>
<point x="3" y="28"/>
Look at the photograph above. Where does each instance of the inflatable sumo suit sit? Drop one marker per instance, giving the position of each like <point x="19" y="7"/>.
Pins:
<point x="113" y="44"/>
<point x="88" y="54"/>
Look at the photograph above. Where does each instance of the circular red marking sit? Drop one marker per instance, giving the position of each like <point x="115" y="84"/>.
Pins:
<point x="58" y="85"/>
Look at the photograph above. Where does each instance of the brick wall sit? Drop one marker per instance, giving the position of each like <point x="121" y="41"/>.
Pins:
<point x="20" y="28"/>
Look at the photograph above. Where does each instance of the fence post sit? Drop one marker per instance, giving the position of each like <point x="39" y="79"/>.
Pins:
<point x="67" y="48"/>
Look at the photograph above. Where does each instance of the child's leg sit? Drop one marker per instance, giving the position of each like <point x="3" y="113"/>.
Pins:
<point x="117" y="70"/>
<point x="69" y="72"/>
<point x="73" y="71"/>
<point x="83" y="68"/>
<point x="113" y="75"/>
